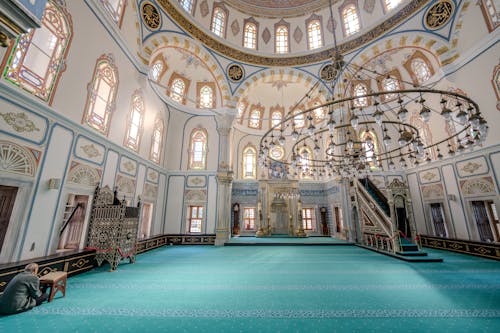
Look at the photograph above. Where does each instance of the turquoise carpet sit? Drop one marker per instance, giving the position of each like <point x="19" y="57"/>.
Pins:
<point x="275" y="289"/>
<point x="285" y="240"/>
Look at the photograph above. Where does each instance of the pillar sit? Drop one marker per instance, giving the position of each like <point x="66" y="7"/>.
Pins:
<point x="224" y="120"/>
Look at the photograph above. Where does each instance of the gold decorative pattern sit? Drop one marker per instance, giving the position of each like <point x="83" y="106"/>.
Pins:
<point x="439" y="14"/>
<point x="235" y="72"/>
<point x="91" y="151"/>
<point x="129" y="166"/>
<point x="150" y="16"/>
<point x="211" y="42"/>
<point x="19" y="122"/>
<point x="80" y="263"/>
<point x="471" y="167"/>
<point x="429" y="176"/>
<point x="328" y="73"/>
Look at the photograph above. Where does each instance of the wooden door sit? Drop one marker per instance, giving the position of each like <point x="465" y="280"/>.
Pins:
<point x="7" y="199"/>
<point x="75" y="227"/>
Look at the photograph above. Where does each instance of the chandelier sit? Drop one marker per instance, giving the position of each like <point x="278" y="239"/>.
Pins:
<point x="355" y="138"/>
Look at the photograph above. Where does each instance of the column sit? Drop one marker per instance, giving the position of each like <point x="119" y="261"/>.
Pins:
<point x="224" y="120"/>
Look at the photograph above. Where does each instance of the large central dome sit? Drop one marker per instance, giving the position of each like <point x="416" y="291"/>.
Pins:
<point x="279" y="8"/>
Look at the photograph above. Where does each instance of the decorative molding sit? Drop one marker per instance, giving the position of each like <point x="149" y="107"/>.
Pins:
<point x="19" y="122"/>
<point x="16" y="159"/>
<point x="125" y="185"/>
<point x="429" y="176"/>
<point x="344" y="48"/>
<point x="485" y="250"/>
<point x="478" y="186"/>
<point x="82" y="174"/>
<point x="434" y="191"/>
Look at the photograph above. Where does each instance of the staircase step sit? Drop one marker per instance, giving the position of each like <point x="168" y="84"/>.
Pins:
<point x="412" y="253"/>
<point x="409" y="248"/>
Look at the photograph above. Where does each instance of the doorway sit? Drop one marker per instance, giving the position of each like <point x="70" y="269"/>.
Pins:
<point x="486" y="218"/>
<point x="7" y="199"/>
<point x="147" y="213"/>
<point x="74" y="216"/>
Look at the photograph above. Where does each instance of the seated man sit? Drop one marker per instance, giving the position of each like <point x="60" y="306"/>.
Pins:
<point x="22" y="293"/>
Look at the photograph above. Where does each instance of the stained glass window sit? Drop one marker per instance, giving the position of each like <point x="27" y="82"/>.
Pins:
<point x="254" y="121"/>
<point x="250" y="36"/>
<point x="219" y="22"/>
<point x="391" y="4"/>
<point x="195" y="219"/>
<point x="307" y="218"/>
<point x="360" y="90"/>
<point x="156" y="70"/>
<point x="282" y="39"/>
<point x="157" y="140"/>
<point x="421" y="70"/>
<point x="249" y="163"/>
<point x="102" y="94"/>
<point x="206" y="97"/>
<point x="490" y="9"/>
<point x="37" y="60"/>
<point x="276" y="117"/>
<point x="177" y="90"/>
<point x="188" y="5"/>
<point x="198" y="150"/>
<point x="370" y="147"/>
<point x="299" y="120"/>
<point x="135" y="122"/>
<point x="115" y="8"/>
<point x="314" y="34"/>
<point x="390" y="84"/>
<point x="351" y="20"/>
<point x="249" y="214"/>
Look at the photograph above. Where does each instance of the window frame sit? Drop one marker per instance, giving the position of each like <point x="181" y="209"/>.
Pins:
<point x="198" y="165"/>
<point x="197" y="217"/>
<point x="219" y="7"/>
<point x="199" y="87"/>
<point x="135" y="106"/>
<point x="248" y="22"/>
<point x="487" y="16"/>
<point x="192" y="6"/>
<point x="245" y="152"/>
<point x="311" y="218"/>
<point x="115" y="14"/>
<point x="259" y="109"/>
<point x="286" y="26"/>
<point x="252" y="221"/>
<point x="345" y="6"/>
<point x="108" y="61"/>
<point x="394" y="74"/>
<point x="319" y="20"/>
<point x="22" y="46"/>
<point x="159" y="126"/>
<point x="408" y="66"/>
<point x="187" y="83"/>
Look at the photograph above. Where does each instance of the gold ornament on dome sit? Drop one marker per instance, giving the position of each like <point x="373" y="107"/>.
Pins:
<point x="150" y="16"/>
<point x="235" y="72"/>
<point x="439" y="14"/>
<point x="328" y="73"/>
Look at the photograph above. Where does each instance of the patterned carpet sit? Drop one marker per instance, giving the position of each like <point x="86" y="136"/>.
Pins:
<point x="275" y="289"/>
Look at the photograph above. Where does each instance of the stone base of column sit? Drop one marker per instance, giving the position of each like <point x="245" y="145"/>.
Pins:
<point x="221" y="237"/>
<point x="301" y="232"/>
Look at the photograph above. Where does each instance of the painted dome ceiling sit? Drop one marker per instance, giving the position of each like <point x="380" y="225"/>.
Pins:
<point x="278" y="8"/>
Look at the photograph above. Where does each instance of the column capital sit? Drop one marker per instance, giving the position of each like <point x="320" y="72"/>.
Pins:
<point x="224" y="119"/>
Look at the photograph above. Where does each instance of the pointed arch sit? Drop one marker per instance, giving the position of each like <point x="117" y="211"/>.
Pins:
<point x="157" y="140"/>
<point x="198" y="149"/>
<point x="102" y="94"/>
<point x="38" y="58"/>
<point x="249" y="163"/>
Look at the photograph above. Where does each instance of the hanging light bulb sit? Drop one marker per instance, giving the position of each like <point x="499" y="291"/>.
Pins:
<point x="402" y="114"/>
<point x="475" y="120"/>
<point x="331" y="124"/>
<point x="378" y="117"/>
<point x="461" y="117"/>
<point x="387" y="140"/>
<point x="446" y="113"/>
<point x="392" y="166"/>
<point x="265" y="150"/>
<point x="282" y="140"/>
<point x="350" y="144"/>
<point x="354" y="121"/>
<point x="316" y="150"/>
<point x="272" y="144"/>
<point x="295" y="135"/>
<point x="310" y="129"/>
<point x="425" y="114"/>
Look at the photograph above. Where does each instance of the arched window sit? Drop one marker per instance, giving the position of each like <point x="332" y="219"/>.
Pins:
<point x="187" y="5"/>
<point x="115" y="8"/>
<point x="282" y="39"/>
<point x="314" y="35"/>
<point x="350" y="18"/>
<point x="102" y="94"/>
<point x="421" y="70"/>
<point x="242" y="105"/>
<point x="250" y="36"/>
<point x="490" y="12"/>
<point x="276" y="117"/>
<point x="177" y="90"/>
<point x="156" y="69"/>
<point x="219" y="22"/>
<point x="299" y="120"/>
<point x="319" y="113"/>
<point x="360" y="89"/>
<point x="255" y="119"/>
<point x="496" y="84"/>
<point x="37" y="60"/>
<point x="135" y="122"/>
<point x="305" y="156"/>
<point x="157" y="140"/>
<point x="198" y="150"/>
<point x="249" y="163"/>
<point x="206" y="96"/>
<point x="390" y="82"/>
<point x="391" y="4"/>
<point x="370" y="147"/>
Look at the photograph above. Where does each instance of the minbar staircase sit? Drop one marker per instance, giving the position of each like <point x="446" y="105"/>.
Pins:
<point x="386" y="222"/>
